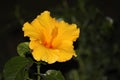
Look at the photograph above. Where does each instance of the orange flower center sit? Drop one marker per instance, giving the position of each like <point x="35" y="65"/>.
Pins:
<point x="54" y="34"/>
<point x="48" y="45"/>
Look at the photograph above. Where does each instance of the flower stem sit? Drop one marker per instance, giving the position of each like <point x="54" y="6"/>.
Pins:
<point x="38" y="71"/>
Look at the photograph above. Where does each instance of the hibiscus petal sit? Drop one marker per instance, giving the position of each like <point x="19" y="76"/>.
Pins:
<point x="39" y="28"/>
<point x="30" y="31"/>
<point x="64" y="56"/>
<point x="48" y="23"/>
<point x="46" y="20"/>
<point x="68" y="31"/>
<point x="44" y="54"/>
<point x="66" y="51"/>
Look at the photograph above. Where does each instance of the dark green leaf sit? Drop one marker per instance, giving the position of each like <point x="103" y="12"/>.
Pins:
<point x="23" y="49"/>
<point x="54" y="75"/>
<point x="15" y="68"/>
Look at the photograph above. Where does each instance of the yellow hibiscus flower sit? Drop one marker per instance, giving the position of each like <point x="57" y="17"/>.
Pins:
<point x="51" y="40"/>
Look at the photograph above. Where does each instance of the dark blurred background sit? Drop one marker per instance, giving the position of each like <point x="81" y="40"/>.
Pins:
<point x="90" y="13"/>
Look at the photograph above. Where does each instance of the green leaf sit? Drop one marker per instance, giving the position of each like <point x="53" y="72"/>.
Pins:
<point x="23" y="49"/>
<point x="15" y="68"/>
<point x="54" y="75"/>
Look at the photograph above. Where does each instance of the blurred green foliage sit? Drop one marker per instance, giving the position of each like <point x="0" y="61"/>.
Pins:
<point x="16" y="69"/>
<point x="97" y="48"/>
